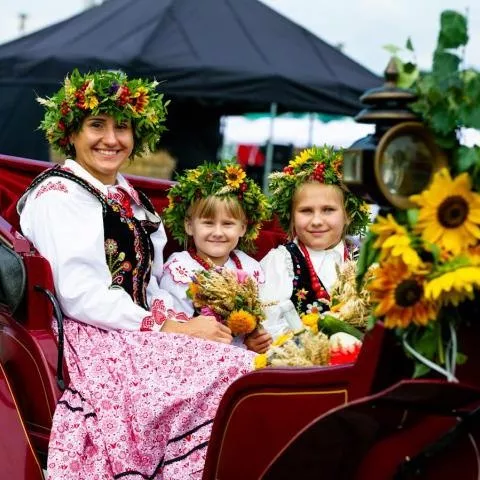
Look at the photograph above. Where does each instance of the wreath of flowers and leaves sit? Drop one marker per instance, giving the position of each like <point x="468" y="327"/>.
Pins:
<point x="315" y="164"/>
<point x="224" y="179"/>
<point x="104" y="92"/>
<point x="428" y="278"/>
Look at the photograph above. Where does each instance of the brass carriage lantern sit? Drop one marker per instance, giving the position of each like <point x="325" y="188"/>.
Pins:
<point x="400" y="158"/>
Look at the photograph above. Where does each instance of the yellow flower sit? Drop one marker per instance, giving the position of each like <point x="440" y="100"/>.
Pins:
<point x="393" y="240"/>
<point x="192" y="175"/>
<point x="310" y="320"/>
<point x="449" y="212"/>
<point x="140" y="99"/>
<point x="241" y="322"/>
<point x="365" y="207"/>
<point x="399" y="295"/>
<point x="282" y="339"/>
<point x="91" y="101"/>
<point x="260" y="361"/>
<point x="234" y="176"/>
<point x="302" y="157"/>
<point x="455" y="286"/>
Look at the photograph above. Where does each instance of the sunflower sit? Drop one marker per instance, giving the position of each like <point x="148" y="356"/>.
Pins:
<point x="241" y="322"/>
<point x="454" y="287"/>
<point x="399" y="295"/>
<point x="449" y="212"/>
<point x="234" y="176"/>
<point x="301" y="158"/>
<point x="393" y="240"/>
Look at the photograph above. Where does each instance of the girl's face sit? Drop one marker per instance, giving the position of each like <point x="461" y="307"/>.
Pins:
<point x="318" y="215"/>
<point x="215" y="237"/>
<point x="102" y="146"/>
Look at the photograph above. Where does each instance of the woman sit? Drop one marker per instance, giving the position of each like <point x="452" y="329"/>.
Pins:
<point x="144" y="383"/>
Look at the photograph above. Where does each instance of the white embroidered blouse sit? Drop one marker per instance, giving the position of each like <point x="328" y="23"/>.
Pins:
<point x="65" y="224"/>
<point x="179" y="269"/>
<point x="277" y="266"/>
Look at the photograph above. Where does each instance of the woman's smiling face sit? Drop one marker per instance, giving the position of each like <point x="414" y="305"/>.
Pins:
<point x="102" y="146"/>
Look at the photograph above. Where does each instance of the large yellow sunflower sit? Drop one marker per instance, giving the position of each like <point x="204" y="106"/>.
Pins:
<point x="393" y="240"/>
<point x="399" y="295"/>
<point x="449" y="212"/>
<point x="234" y="176"/>
<point x="302" y="157"/>
<point x="454" y="287"/>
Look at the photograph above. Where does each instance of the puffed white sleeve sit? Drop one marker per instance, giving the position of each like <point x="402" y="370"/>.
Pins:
<point x="175" y="279"/>
<point x="281" y="317"/>
<point x="278" y="275"/>
<point x="66" y="227"/>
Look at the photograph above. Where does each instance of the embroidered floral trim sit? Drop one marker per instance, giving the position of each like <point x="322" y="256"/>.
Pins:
<point x="59" y="186"/>
<point x="180" y="273"/>
<point x="121" y="198"/>
<point x="117" y="264"/>
<point x="158" y="316"/>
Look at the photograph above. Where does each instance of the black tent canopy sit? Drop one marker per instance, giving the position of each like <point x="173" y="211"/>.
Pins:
<point x="227" y="55"/>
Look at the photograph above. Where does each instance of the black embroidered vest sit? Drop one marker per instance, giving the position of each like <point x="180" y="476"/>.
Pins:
<point x="302" y="294"/>
<point x="128" y="248"/>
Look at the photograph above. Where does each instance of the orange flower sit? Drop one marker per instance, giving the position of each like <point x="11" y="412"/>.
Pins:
<point x="241" y="322"/>
<point x="399" y="294"/>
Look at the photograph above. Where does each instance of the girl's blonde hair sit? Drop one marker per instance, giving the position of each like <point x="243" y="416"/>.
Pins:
<point x="207" y="207"/>
<point x="291" y="230"/>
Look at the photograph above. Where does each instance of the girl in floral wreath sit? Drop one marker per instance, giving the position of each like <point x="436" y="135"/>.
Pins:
<point x="144" y="383"/>
<point x="316" y="210"/>
<point x="216" y="211"/>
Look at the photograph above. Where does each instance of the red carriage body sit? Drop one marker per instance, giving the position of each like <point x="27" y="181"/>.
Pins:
<point x="358" y="421"/>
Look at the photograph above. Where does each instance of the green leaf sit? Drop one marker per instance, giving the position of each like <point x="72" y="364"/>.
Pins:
<point x="461" y="358"/>
<point x="453" y="30"/>
<point x="407" y="73"/>
<point x="409" y="44"/>
<point x="445" y="63"/>
<point x="365" y="257"/>
<point x="412" y="216"/>
<point x="371" y="321"/>
<point x="467" y="158"/>
<point x="420" y="370"/>
<point x="471" y="117"/>
<point x="392" y="49"/>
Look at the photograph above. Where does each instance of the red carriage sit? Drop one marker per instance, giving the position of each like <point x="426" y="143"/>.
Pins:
<point x="356" y="421"/>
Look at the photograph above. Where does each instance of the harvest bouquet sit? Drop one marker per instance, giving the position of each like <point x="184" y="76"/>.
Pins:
<point x="231" y="296"/>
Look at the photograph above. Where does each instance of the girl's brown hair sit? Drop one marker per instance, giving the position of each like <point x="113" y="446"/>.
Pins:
<point x="207" y="207"/>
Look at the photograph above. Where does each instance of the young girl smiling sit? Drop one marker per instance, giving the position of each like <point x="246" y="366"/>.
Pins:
<point x="213" y="209"/>
<point x="317" y="211"/>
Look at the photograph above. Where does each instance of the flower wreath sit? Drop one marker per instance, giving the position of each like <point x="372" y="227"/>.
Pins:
<point x="223" y="179"/>
<point x="104" y="92"/>
<point x="321" y="164"/>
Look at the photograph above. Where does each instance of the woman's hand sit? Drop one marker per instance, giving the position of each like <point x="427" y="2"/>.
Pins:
<point x="203" y="326"/>
<point x="259" y="340"/>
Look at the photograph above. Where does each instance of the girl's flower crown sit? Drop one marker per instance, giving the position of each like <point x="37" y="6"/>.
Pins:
<point x="104" y="92"/>
<point x="225" y="179"/>
<point x="317" y="164"/>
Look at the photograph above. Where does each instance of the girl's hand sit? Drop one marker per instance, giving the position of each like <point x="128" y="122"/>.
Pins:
<point x="203" y="326"/>
<point x="259" y="340"/>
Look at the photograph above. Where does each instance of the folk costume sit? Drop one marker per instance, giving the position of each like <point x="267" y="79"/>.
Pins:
<point x="140" y="402"/>
<point x="299" y="278"/>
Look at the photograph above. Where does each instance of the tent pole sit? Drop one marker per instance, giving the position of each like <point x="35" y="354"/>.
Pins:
<point x="269" y="150"/>
<point x="311" y="123"/>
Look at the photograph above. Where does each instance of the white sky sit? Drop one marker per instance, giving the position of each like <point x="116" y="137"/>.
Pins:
<point x="363" y="26"/>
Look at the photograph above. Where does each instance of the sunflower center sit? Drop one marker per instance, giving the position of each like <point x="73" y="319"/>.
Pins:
<point x="452" y="212"/>
<point x="408" y="293"/>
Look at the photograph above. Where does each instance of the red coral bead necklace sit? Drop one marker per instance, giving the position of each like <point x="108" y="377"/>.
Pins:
<point x="193" y="253"/>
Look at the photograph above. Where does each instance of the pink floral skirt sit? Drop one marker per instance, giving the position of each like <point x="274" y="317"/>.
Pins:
<point x="139" y="404"/>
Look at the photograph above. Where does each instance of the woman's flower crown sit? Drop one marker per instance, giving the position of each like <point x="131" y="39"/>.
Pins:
<point x="225" y="179"/>
<point x="104" y="92"/>
<point x="316" y="164"/>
